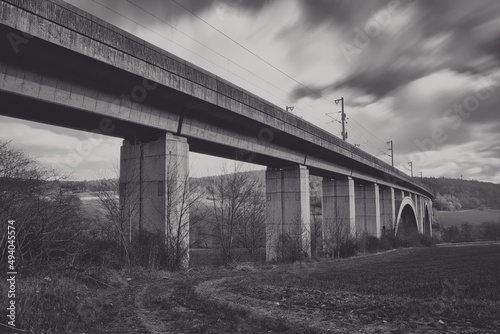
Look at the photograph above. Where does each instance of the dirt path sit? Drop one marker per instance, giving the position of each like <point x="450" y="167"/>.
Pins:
<point x="314" y="319"/>
<point x="159" y="319"/>
<point x="148" y="318"/>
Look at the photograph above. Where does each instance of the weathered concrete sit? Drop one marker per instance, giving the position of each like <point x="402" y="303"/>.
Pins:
<point x="387" y="208"/>
<point x="427" y="217"/>
<point x="360" y="208"/>
<point x="339" y="198"/>
<point x="367" y="207"/>
<point x="153" y="177"/>
<point x="372" y="209"/>
<point x="418" y="207"/>
<point x="288" y="211"/>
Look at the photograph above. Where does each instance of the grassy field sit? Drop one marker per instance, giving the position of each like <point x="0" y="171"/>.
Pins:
<point x="417" y="290"/>
<point x="472" y="217"/>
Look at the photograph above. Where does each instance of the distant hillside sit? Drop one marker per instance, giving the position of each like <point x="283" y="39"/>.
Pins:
<point x="450" y="194"/>
<point x="457" y="194"/>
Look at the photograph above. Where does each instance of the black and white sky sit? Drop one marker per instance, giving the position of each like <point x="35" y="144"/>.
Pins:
<point x="423" y="73"/>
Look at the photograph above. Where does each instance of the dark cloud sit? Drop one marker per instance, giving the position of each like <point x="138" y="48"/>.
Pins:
<point x="339" y="13"/>
<point x="441" y="35"/>
<point x="490" y="149"/>
<point x="442" y="120"/>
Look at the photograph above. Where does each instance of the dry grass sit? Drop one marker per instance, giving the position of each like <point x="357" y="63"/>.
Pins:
<point x="403" y="291"/>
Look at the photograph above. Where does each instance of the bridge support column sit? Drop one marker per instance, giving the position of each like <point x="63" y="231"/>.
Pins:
<point x="418" y="207"/>
<point x="360" y="209"/>
<point x="288" y="214"/>
<point x="153" y="176"/>
<point x="339" y="211"/>
<point x="372" y="209"/>
<point x="367" y="209"/>
<point x="387" y="209"/>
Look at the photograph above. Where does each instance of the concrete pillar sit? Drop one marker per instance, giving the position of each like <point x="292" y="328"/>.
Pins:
<point x="346" y="202"/>
<point x="418" y="207"/>
<point x="430" y="217"/>
<point x="338" y="211"/>
<point x="367" y="209"/>
<point x="387" y="208"/>
<point x="372" y="209"/>
<point x="152" y="177"/>
<point x="360" y="209"/>
<point x="288" y="210"/>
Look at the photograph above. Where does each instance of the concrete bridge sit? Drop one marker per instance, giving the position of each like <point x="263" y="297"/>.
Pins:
<point x="61" y="66"/>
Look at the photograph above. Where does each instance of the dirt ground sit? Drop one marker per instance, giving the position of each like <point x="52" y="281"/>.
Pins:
<point x="421" y="290"/>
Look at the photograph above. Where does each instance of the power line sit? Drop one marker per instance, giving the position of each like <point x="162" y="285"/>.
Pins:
<point x="206" y="46"/>
<point x="250" y="51"/>
<point x="217" y="53"/>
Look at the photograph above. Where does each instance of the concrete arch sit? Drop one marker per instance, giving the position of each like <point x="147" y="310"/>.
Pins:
<point x="406" y="221"/>
<point x="427" y="221"/>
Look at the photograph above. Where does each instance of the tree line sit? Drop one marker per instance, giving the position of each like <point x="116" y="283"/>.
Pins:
<point x="458" y="194"/>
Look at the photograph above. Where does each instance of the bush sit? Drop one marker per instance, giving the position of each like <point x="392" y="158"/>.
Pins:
<point x="451" y="234"/>
<point x="491" y="231"/>
<point x="149" y="251"/>
<point x="372" y="244"/>
<point x="427" y="241"/>
<point x="386" y="242"/>
<point x="290" y="249"/>
<point x="348" y="248"/>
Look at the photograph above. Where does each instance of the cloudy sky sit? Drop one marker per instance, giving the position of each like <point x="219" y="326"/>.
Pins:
<point x="423" y="73"/>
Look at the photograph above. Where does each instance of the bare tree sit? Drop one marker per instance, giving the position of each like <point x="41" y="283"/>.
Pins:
<point x="294" y="241"/>
<point x="47" y="223"/>
<point x="251" y="230"/>
<point x="336" y="233"/>
<point x="229" y="195"/>
<point x="117" y="214"/>
<point x="181" y="213"/>
<point x="316" y="234"/>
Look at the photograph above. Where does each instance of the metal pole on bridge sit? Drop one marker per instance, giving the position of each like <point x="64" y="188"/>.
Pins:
<point x="344" y="133"/>
<point x="392" y="152"/>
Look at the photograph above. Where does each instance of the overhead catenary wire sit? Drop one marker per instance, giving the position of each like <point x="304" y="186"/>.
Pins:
<point x="251" y="52"/>
<point x="208" y="60"/>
